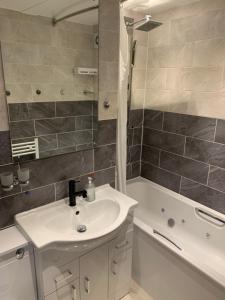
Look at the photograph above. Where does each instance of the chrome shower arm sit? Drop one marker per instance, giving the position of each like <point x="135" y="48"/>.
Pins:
<point x="146" y="18"/>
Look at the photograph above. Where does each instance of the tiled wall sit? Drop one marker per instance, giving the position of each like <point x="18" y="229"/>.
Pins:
<point x="61" y="127"/>
<point x="186" y="154"/>
<point x="186" y="60"/>
<point x="40" y="56"/>
<point x="134" y="142"/>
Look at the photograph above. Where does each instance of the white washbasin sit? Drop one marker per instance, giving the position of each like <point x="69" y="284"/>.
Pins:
<point x="55" y="225"/>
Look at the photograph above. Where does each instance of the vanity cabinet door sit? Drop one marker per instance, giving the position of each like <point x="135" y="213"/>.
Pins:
<point x="94" y="274"/>
<point x="55" y="277"/>
<point x="68" y="292"/>
<point x="120" y="274"/>
<point x="120" y="260"/>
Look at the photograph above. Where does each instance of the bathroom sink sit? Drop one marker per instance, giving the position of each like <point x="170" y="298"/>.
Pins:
<point x="95" y="216"/>
<point x="57" y="225"/>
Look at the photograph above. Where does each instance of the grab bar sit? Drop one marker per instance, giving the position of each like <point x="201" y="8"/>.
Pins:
<point x="166" y="238"/>
<point x="209" y="217"/>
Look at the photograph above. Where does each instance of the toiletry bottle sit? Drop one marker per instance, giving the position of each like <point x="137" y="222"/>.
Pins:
<point x="90" y="188"/>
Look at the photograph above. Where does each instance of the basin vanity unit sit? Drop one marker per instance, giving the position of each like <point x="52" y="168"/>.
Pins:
<point x="92" y="264"/>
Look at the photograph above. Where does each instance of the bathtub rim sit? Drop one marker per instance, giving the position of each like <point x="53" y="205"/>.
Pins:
<point x="179" y="197"/>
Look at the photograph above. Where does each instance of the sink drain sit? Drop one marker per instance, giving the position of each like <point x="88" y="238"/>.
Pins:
<point x="81" y="228"/>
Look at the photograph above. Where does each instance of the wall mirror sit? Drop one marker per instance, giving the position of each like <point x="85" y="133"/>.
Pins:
<point x="50" y="64"/>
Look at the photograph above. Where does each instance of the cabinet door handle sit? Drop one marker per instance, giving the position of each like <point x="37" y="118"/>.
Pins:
<point x="87" y="284"/>
<point x="114" y="264"/>
<point x="122" y="245"/>
<point x="63" y="277"/>
<point x="74" y="292"/>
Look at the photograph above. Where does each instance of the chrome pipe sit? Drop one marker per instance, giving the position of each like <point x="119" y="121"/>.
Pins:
<point x="55" y="21"/>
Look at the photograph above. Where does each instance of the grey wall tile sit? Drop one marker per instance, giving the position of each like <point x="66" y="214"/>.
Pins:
<point x="21" y="129"/>
<point x="153" y="119"/>
<point x="163" y="140"/>
<point x="30" y="111"/>
<point x="162" y="177"/>
<point x="83" y="122"/>
<point x="137" y="136"/>
<point x="189" y="168"/>
<point x="18" y="112"/>
<point x="41" y="110"/>
<point x="95" y="108"/>
<point x="58" y="151"/>
<point x="73" y="108"/>
<point x="105" y="133"/>
<point x="208" y="152"/>
<point x="220" y="132"/>
<point x="203" y="194"/>
<point x="195" y="126"/>
<point x="105" y="176"/>
<point x="47" y="142"/>
<point x="150" y="155"/>
<point x="11" y="205"/>
<point x="134" y="153"/>
<point x="217" y="178"/>
<point x="136" y="169"/>
<point x="5" y="148"/>
<point x="57" y="125"/>
<point x="129" y="171"/>
<point x="66" y="139"/>
<point x="95" y="122"/>
<point x="135" y="118"/>
<point x="84" y="147"/>
<point x="58" y="168"/>
<point x="100" y="178"/>
<point x="83" y="137"/>
<point x="130" y="136"/>
<point x="104" y="157"/>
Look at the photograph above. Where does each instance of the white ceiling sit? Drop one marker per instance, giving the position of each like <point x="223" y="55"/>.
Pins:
<point x="54" y="8"/>
<point x="155" y="6"/>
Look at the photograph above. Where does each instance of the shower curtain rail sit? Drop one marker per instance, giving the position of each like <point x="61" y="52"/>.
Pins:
<point x="55" y="21"/>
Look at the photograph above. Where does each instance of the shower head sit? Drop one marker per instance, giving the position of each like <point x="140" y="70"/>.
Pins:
<point x="145" y="24"/>
<point x="148" y="24"/>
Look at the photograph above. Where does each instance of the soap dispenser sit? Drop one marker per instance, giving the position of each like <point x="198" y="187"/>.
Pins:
<point x="90" y="188"/>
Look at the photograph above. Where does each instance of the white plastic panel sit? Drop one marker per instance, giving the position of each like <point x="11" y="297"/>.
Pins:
<point x="119" y="273"/>
<point x="16" y="280"/>
<point x="166" y="276"/>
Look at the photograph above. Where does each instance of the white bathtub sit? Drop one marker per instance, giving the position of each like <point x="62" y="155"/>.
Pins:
<point x="179" y="245"/>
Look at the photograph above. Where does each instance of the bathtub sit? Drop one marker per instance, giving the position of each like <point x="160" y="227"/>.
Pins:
<point x="179" y="245"/>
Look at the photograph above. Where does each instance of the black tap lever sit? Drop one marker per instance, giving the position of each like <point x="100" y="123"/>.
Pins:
<point x="73" y="193"/>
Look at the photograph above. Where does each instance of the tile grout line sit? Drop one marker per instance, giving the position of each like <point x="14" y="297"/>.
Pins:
<point x="183" y="135"/>
<point x="163" y="119"/>
<point x="199" y="183"/>
<point x="54" y="183"/>
<point x="207" y="181"/>
<point x="214" y="138"/>
<point x="185" y="141"/>
<point x="180" y="155"/>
